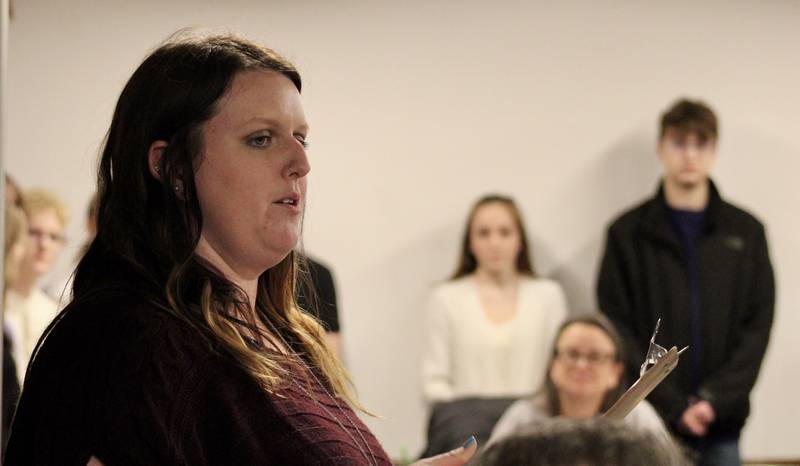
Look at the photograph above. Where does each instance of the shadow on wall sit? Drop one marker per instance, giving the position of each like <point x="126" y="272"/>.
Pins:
<point x="624" y="173"/>
<point x="619" y="178"/>
<point x="390" y="384"/>
<point x="616" y="179"/>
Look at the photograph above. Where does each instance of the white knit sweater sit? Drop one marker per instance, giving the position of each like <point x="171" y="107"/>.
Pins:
<point x="468" y="355"/>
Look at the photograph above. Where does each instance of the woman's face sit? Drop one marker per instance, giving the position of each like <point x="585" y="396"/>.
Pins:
<point x="494" y="238"/>
<point x="584" y="366"/>
<point x="251" y="181"/>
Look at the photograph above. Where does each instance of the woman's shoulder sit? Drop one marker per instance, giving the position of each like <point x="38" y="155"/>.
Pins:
<point x="644" y="410"/>
<point x="644" y="416"/>
<point x="540" y="283"/>
<point x="525" y="410"/>
<point x="114" y="310"/>
<point x="453" y="289"/>
<point x="522" y="412"/>
<point x="118" y="330"/>
<point x="114" y="365"/>
<point x="544" y="288"/>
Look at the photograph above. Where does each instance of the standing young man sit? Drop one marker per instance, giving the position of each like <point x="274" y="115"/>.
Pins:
<point x="702" y="266"/>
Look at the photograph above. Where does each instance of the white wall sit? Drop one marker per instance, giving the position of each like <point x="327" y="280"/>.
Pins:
<point x="417" y="109"/>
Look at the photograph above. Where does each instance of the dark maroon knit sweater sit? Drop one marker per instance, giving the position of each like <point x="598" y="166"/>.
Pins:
<point x="124" y="381"/>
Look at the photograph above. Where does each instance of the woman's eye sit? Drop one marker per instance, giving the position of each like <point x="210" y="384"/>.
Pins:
<point x="260" y="141"/>
<point x="302" y="140"/>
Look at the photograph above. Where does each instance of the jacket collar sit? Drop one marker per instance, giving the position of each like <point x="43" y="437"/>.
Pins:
<point x="656" y="215"/>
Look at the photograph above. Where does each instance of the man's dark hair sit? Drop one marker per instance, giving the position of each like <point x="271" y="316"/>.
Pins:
<point x="592" y="442"/>
<point x="690" y="117"/>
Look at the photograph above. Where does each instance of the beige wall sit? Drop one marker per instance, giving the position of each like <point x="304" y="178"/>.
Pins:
<point x="418" y="109"/>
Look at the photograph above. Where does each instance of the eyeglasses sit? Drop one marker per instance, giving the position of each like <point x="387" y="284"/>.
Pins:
<point x="572" y="356"/>
<point x="38" y="235"/>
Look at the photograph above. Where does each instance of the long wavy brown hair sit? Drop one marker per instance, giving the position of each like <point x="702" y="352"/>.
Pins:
<point x="142" y="224"/>
<point x="467" y="263"/>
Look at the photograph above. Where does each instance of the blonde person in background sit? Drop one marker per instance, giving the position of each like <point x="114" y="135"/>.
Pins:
<point x="489" y="326"/>
<point x="584" y="377"/>
<point x="30" y="309"/>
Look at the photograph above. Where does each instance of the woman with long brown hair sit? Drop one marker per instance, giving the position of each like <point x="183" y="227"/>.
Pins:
<point x="490" y="325"/>
<point x="183" y="343"/>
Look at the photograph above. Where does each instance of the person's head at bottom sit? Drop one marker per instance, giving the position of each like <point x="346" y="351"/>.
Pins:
<point x="582" y="442"/>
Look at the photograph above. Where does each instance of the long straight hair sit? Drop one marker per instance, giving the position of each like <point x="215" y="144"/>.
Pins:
<point x="467" y="263"/>
<point x="142" y="223"/>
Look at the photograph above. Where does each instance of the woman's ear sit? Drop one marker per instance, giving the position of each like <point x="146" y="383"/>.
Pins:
<point x="154" y="154"/>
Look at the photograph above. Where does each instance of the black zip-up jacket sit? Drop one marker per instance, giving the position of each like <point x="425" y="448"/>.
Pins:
<point x="644" y="276"/>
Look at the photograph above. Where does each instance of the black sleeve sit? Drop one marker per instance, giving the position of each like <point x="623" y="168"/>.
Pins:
<point x="615" y="298"/>
<point x="321" y="300"/>
<point x="10" y="388"/>
<point x="731" y="384"/>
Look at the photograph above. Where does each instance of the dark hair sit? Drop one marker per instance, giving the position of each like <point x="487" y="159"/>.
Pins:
<point x="549" y="393"/>
<point x="143" y="224"/>
<point x="467" y="263"/>
<point x="91" y="224"/>
<point x="16" y="193"/>
<point x="690" y="117"/>
<point x="91" y="209"/>
<point x="589" y="442"/>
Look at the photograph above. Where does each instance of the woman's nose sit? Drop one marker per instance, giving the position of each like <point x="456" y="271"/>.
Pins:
<point x="298" y="165"/>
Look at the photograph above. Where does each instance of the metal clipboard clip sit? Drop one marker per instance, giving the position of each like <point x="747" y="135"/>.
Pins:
<point x="655" y="352"/>
<point x="658" y="363"/>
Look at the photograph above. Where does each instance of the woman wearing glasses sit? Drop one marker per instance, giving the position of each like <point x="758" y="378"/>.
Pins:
<point x="584" y="378"/>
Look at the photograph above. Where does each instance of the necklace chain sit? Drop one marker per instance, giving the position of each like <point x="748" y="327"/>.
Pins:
<point x="369" y="457"/>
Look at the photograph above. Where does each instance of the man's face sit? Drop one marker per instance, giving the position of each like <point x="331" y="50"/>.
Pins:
<point x="46" y="235"/>
<point x="687" y="158"/>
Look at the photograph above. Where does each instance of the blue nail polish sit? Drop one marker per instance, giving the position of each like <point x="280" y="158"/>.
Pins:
<point x="469" y="442"/>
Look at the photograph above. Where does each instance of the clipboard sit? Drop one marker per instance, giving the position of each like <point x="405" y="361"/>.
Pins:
<point x="644" y="385"/>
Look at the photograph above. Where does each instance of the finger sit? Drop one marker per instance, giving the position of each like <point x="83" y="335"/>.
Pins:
<point x="691" y="424"/>
<point x="457" y="457"/>
<point x="698" y="428"/>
